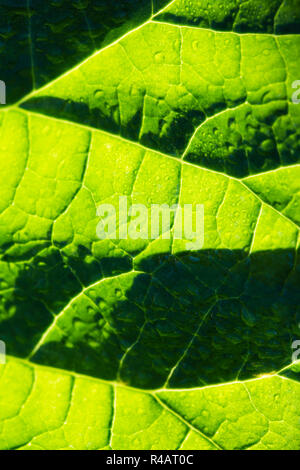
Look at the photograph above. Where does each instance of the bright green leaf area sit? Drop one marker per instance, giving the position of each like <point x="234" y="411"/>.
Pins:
<point x="142" y="344"/>
<point x="261" y="414"/>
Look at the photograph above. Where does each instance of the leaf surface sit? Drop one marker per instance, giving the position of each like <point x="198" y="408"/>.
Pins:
<point x="176" y="111"/>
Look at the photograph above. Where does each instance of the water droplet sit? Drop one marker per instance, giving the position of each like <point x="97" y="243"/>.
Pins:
<point x="98" y="94"/>
<point x="159" y="57"/>
<point x="118" y="293"/>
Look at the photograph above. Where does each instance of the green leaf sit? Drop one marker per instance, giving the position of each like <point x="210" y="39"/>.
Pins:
<point x="196" y="345"/>
<point x="180" y="96"/>
<point x="261" y="414"/>
<point x="253" y="16"/>
<point x="41" y="40"/>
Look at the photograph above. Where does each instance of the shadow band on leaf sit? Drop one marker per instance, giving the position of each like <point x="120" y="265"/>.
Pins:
<point x="181" y="321"/>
